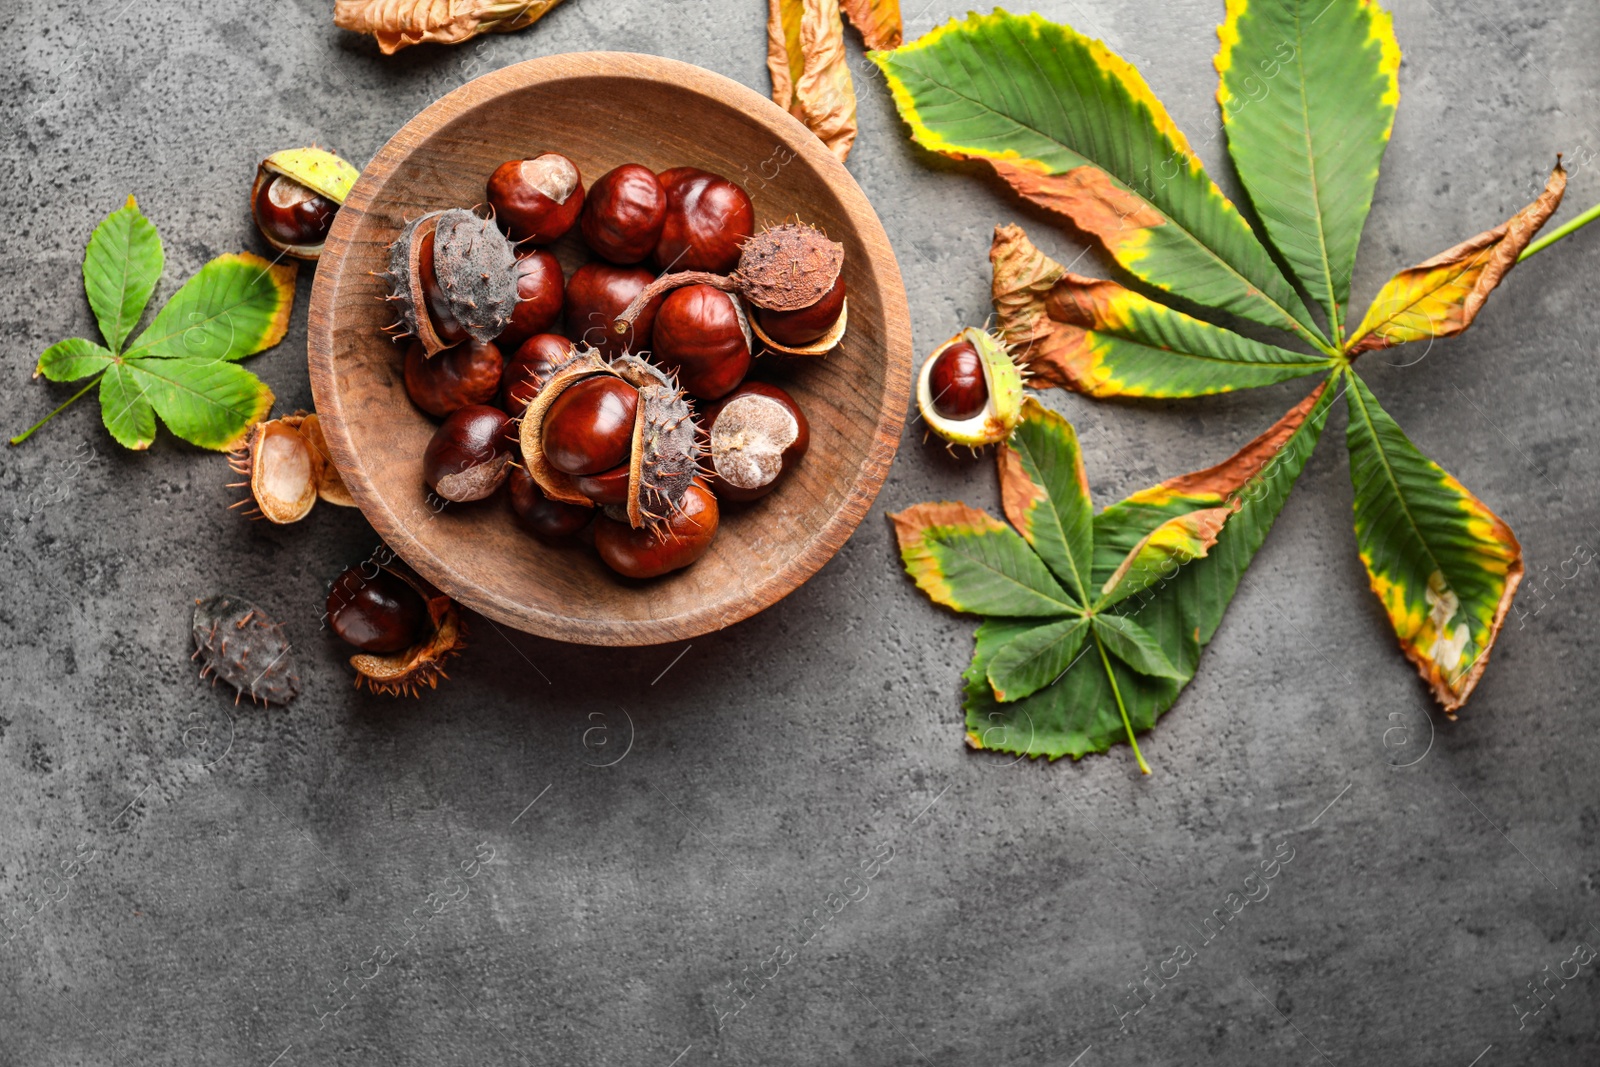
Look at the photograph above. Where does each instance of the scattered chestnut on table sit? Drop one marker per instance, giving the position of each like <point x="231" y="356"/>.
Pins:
<point x="296" y="194"/>
<point x="536" y="200"/>
<point x="541" y="290"/>
<point x="589" y="427"/>
<point x="707" y="219"/>
<point x="529" y="368"/>
<point x="701" y="333"/>
<point x="756" y="434"/>
<point x="651" y="551"/>
<point x="623" y="214"/>
<point x="957" y="382"/>
<point x="380" y="613"/>
<point x="469" y="454"/>
<point x="459" y="376"/>
<point x="596" y="293"/>
<point x="546" y="519"/>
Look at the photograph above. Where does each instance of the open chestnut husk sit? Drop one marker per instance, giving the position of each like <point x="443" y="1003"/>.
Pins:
<point x="287" y="469"/>
<point x="546" y="519"/>
<point x="707" y="219"/>
<point x="670" y="545"/>
<point x="452" y="276"/>
<point x="404" y="626"/>
<point x="623" y="214"/>
<point x="536" y="200"/>
<point x="664" y="453"/>
<point x="703" y="335"/>
<point x="596" y="293"/>
<point x="791" y="267"/>
<point x="969" y="391"/>
<point x="469" y="454"/>
<point x="295" y="196"/>
<point x="756" y="434"/>
<point x="529" y="368"/>
<point x="541" y="291"/>
<point x="459" y="376"/>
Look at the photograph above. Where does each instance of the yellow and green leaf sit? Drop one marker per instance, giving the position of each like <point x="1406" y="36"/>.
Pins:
<point x="235" y="306"/>
<point x="1100" y="338"/>
<point x="965" y="559"/>
<point x="1074" y="128"/>
<point x="1443" y="295"/>
<point x="1308" y="90"/>
<point x="1045" y="492"/>
<point x="1443" y="564"/>
<point x="1158" y="557"/>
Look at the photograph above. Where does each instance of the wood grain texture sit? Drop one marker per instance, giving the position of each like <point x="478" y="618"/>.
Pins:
<point x="602" y="109"/>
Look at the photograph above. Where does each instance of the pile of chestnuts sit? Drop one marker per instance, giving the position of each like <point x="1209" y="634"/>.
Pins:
<point x="612" y="402"/>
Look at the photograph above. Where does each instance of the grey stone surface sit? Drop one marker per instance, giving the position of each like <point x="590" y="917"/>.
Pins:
<point x="235" y="866"/>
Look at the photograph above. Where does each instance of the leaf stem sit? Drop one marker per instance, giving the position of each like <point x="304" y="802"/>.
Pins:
<point x="1561" y="231"/>
<point x="21" y="437"/>
<point x="1116" y="692"/>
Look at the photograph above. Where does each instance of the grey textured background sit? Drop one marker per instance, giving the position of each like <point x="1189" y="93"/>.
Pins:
<point x="239" y="865"/>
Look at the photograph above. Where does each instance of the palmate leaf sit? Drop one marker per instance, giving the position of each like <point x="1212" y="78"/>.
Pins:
<point x="965" y="559"/>
<point x="120" y="270"/>
<point x="1073" y="127"/>
<point x="1045" y="492"/>
<point x="1100" y="338"/>
<point x="1443" y="564"/>
<point x="1308" y="90"/>
<point x="235" y="306"/>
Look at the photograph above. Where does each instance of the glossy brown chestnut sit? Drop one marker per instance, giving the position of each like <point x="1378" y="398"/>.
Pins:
<point x="536" y="199"/>
<point x="546" y="519"/>
<point x="623" y="214"/>
<point x="596" y="293"/>
<point x="800" y="328"/>
<point x="469" y="454"/>
<point x="376" y="613"/>
<point x="957" y="382"/>
<point x="456" y="377"/>
<point x="291" y="214"/>
<point x="763" y="435"/>
<point x="589" y="427"/>
<point x="437" y="304"/>
<point x="529" y="368"/>
<point x="608" y="488"/>
<point x="540" y="292"/>
<point x="708" y="218"/>
<point x="656" y="550"/>
<point x="700" y="333"/>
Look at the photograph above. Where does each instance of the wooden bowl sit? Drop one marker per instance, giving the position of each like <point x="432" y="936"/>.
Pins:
<point x="603" y="109"/>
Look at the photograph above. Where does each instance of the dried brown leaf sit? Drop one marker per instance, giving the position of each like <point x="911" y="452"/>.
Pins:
<point x="810" y="75"/>
<point x="877" y="20"/>
<point x="397" y="24"/>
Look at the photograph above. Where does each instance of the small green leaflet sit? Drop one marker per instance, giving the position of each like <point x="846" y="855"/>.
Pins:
<point x="183" y="367"/>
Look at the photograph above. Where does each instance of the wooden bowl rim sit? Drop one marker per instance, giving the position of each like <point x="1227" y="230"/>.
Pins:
<point x="817" y="549"/>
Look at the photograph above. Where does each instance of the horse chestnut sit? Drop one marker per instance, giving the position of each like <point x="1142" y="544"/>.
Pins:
<point x="701" y="333"/>
<point x="670" y="545"/>
<point x="536" y="199"/>
<point x="796" y="329"/>
<point x="707" y="219"/>
<point x="380" y="613"/>
<point x="546" y="519"/>
<point x="756" y="435"/>
<point x="469" y="454"/>
<point x="608" y="488"/>
<point x="540" y="292"/>
<point x="589" y="427"/>
<point x="529" y="368"/>
<point x="451" y="275"/>
<point x="957" y="382"/>
<point x="596" y="294"/>
<point x="623" y="214"/>
<point x="288" y="213"/>
<point x="456" y="377"/>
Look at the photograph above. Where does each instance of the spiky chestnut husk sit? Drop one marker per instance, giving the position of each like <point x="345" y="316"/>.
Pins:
<point x="782" y="268"/>
<point x="315" y="168"/>
<point x="406" y="672"/>
<point x="287" y="469"/>
<point x="236" y="642"/>
<point x="476" y="268"/>
<point x="665" y="457"/>
<point x="1002" y="409"/>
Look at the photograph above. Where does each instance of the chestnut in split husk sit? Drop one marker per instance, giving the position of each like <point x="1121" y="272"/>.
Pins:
<point x="405" y="627"/>
<point x="708" y="218"/>
<point x="541" y="291"/>
<point x="469" y="455"/>
<point x="295" y="196"/>
<point x="451" y="276"/>
<point x="287" y="469"/>
<point x="791" y="267"/>
<point x="596" y="293"/>
<point x="702" y="333"/>
<point x="589" y="427"/>
<point x="623" y="214"/>
<point x="536" y="199"/>
<point x="459" y="376"/>
<point x="670" y="545"/>
<point x="546" y="519"/>
<point x="756" y="434"/>
<point x="797" y="330"/>
<point x="969" y="391"/>
<point x="529" y="368"/>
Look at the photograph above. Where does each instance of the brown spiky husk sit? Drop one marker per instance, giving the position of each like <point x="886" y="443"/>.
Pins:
<point x="236" y="642"/>
<point x="301" y="432"/>
<point x="405" y="673"/>
<point x="474" y="264"/>
<point x="788" y="267"/>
